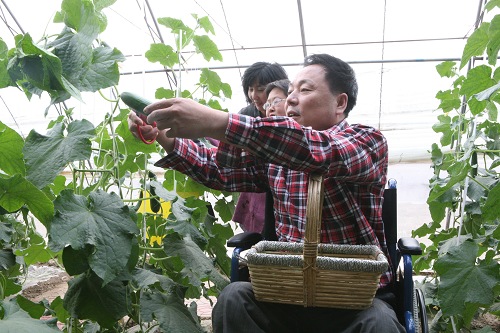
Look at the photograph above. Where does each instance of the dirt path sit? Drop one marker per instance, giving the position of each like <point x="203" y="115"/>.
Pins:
<point x="49" y="289"/>
<point x="54" y="282"/>
<point x="49" y="282"/>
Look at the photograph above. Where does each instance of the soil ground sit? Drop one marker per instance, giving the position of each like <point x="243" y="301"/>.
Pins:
<point x="49" y="282"/>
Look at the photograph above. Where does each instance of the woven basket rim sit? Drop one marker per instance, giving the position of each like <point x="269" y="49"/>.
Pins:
<point x="379" y="264"/>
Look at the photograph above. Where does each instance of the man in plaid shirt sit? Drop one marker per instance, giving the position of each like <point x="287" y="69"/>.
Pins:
<point x="279" y="153"/>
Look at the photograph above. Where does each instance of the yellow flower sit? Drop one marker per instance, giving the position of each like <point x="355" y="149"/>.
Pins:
<point x="157" y="239"/>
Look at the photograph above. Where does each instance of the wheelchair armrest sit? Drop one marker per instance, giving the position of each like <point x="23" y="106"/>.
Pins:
<point x="245" y="240"/>
<point x="408" y="245"/>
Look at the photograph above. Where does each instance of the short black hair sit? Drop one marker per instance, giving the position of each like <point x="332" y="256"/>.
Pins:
<point x="282" y="84"/>
<point x="340" y="77"/>
<point x="261" y="73"/>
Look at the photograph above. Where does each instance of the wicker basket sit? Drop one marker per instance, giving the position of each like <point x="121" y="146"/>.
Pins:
<point x="312" y="274"/>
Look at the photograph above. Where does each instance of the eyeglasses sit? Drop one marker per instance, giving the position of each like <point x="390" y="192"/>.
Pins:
<point x="275" y="102"/>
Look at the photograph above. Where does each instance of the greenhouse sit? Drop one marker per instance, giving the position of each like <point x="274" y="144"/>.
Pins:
<point x="138" y="241"/>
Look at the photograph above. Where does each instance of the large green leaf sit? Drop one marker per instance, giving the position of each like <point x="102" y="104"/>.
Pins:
<point x="458" y="171"/>
<point x="57" y="305"/>
<point x="463" y="280"/>
<point x="178" y="28"/>
<point x="17" y="191"/>
<point x="86" y="298"/>
<point x="476" y="43"/>
<point x="16" y="320"/>
<point x="491" y="208"/>
<point x="224" y="210"/>
<point x="164" y="54"/>
<point x="450" y="100"/>
<point x="102" y="72"/>
<point x="4" y="61"/>
<point x="197" y="266"/>
<point x="144" y="278"/>
<point x="4" y="49"/>
<point x="207" y="47"/>
<point x="36" y="252"/>
<point x="170" y="312"/>
<point x="214" y="83"/>
<point x="174" y="24"/>
<point x="47" y="156"/>
<point x="493" y="40"/>
<point x="185" y="228"/>
<point x="446" y="68"/>
<point x="82" y="16"/>
<point x="35" y="310"/>
<point x="205" y="23"/>
<point x="37" y="69"/>
<point x="85" y="67"/>
<point x="11" y="146"/>
<point x="101" y="4"/>
<point x="76" y="261"/>
<point x="6" y="229"/>
<point x="178" y="208"/>
<point x="101" y="221"/>
<point x="486" y="94"/>
<point x="7" y="259"/>
<point x="444" y="126"/>
<point x="478" y="79"/>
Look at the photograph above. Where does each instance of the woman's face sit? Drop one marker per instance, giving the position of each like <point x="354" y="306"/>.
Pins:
<point x="276" y="103"/>
<point x="257" y="95"/>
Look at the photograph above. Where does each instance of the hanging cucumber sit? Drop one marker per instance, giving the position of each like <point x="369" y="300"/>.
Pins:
<point x="154" y="202"/>
<point x="135" y="102"/>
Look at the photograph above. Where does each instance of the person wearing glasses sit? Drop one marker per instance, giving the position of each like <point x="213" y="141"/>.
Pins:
<point x="276" y="93"/>
<point x="249" y="212"/>
<point x="313" y="138"/>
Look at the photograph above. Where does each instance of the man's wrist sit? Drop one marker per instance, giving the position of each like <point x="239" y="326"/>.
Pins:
<point x="219" y="124"/>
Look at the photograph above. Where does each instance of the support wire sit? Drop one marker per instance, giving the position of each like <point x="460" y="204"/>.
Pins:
<point x="382" y="69"/>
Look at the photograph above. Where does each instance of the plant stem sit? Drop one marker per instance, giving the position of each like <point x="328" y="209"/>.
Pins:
<point x="152" y="249"/>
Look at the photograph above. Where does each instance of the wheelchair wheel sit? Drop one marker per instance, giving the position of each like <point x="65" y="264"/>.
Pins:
<point x="422" y="312"/>
<point x="416" y="312"/>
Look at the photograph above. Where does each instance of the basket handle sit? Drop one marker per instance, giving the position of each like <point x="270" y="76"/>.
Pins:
<point x="315" y="195"/>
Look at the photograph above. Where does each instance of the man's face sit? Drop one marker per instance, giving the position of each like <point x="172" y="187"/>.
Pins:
<point x="310" y="101"/>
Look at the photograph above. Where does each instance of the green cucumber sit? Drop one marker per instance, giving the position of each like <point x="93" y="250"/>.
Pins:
<point x="135" y="102"/>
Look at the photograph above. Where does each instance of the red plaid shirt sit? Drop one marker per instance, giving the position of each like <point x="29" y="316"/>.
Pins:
<point x="352" y="158"/>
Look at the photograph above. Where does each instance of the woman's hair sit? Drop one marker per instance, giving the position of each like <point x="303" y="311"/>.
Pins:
<point x="282" y="84"/>
<point x="261" y="73"/>
<point x="340" y="77"/>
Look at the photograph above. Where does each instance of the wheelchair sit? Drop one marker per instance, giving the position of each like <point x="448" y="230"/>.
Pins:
<point x="407" y="300"/>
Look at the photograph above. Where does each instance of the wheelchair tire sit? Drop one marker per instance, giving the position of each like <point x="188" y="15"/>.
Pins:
<point x="416" y="312"/>
<point x="422" y="312"/>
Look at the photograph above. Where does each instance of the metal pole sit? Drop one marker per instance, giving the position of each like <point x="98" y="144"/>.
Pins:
<point x="302" y="33"/>
<point x="13" y="17"/>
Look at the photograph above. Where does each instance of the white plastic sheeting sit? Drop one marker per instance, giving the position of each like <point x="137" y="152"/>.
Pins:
<point x="393" y="46"/>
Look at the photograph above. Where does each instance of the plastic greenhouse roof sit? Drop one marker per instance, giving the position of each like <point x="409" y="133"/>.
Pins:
<point x="392" y="45"/>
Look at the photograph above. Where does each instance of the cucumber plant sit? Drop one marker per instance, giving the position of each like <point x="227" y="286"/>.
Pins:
<point x="465" y="189"/>
<point x="125" y="261"/>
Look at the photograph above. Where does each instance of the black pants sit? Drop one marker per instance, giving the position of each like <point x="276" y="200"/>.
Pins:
<point x="237" y="311"/>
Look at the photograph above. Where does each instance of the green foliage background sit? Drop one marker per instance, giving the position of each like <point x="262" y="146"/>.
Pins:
<point x="464" y="196"/>
<point x="125" y="260"/>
